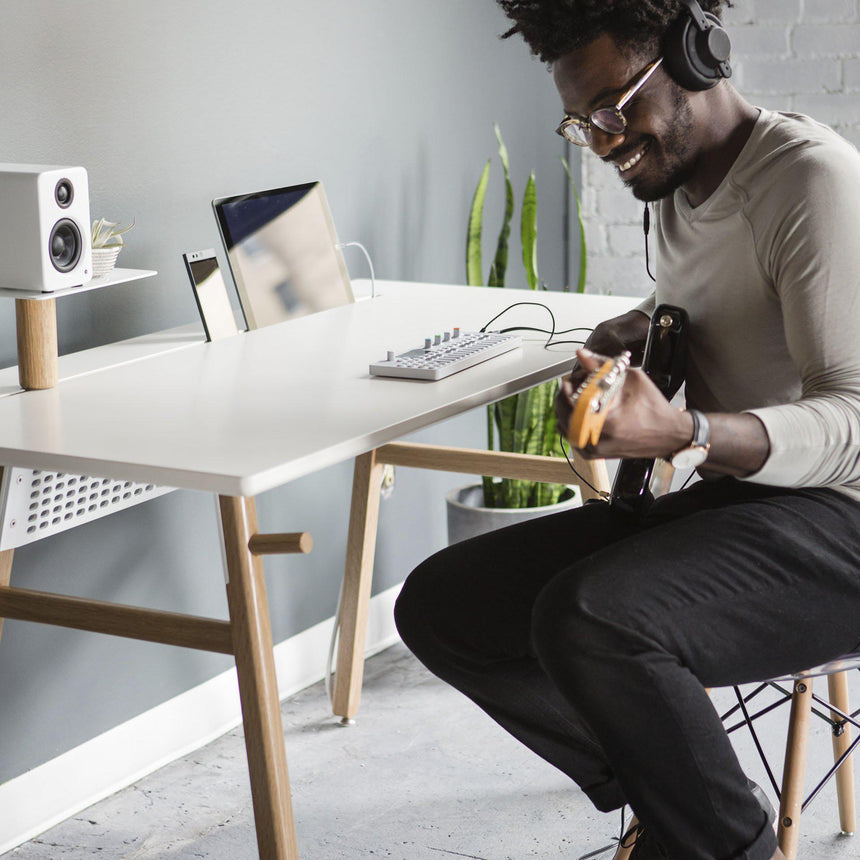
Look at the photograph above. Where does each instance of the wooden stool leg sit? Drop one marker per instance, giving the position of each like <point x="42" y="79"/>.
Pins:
<point x="5" y="569"/>
<point x="258" y="689"/>
<point x="795" y="768"/>
<point x="625" y="850"/>
<point x="360" y="550"/>
<point x="837" y="686"/>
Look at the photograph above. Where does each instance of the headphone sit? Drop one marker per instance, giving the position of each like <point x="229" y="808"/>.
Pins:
<point x="697" y="49"/>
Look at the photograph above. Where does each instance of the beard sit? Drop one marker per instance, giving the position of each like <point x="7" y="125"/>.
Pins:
<point x="671" y="157"/>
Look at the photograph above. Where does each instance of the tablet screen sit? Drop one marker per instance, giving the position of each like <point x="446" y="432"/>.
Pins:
<point x="282" y="249"/>
<point x="211" y="294"/>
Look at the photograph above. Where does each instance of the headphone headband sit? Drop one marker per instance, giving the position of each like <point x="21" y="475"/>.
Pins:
<point x="696" y="13"/>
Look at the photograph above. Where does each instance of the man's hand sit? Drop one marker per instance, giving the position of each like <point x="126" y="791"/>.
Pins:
<point x="627" y="332"/>
<point x="639" y="422"/>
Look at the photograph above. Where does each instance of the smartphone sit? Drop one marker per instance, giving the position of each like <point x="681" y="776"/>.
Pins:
<point x="210" y="292"/>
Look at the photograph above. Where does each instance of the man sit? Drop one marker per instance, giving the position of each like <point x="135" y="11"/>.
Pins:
<point x="590" y="637"/>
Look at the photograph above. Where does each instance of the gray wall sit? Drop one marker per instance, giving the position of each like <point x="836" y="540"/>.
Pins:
<point x="795" y="55"/>
<point x="391" y="104"/>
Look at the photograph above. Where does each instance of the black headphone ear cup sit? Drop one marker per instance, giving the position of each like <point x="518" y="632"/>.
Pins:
<point x="694" y="67"/>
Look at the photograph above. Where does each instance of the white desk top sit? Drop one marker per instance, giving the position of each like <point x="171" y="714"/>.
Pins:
<point x="254" y="411"/>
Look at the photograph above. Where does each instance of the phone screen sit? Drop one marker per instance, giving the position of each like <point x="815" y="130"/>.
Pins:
<point x="211" y="294"/>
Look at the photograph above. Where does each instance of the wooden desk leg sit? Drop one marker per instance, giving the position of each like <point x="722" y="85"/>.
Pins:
<point x="255" y="664"/>
<point x="360" y="549"/>
<point x="5" y="569"/>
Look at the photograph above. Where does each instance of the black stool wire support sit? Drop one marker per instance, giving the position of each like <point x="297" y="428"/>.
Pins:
<point x="837" y="727"/>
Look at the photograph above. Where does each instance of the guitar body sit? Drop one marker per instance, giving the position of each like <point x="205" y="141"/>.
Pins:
<point x="665" y="363"/>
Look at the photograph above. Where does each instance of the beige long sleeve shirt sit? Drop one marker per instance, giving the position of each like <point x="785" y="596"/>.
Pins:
<point x="768" y="268"/>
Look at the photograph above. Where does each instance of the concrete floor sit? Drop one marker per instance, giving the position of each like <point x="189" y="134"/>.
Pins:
<point x="423" y="775"/>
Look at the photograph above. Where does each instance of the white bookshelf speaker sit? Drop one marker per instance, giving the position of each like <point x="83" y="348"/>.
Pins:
<point x="45" y="241"/>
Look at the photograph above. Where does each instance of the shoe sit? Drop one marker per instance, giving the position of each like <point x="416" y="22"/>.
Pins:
<point x="646" y="847"/>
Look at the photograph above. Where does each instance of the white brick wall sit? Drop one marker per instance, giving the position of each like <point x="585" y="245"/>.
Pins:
<point x="796" y="55"/>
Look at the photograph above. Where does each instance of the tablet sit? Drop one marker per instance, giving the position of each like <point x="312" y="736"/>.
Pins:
<point x="210" y="292"/>
<point x="283" y="253"/>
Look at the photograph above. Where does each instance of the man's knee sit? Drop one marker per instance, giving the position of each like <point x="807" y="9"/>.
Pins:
<point x="413" y="609"/>
<point x="571" y="625"/>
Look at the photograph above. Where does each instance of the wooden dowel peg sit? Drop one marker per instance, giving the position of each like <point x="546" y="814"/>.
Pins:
<point x="36" y="324"/>
<point x="277" y="544"/>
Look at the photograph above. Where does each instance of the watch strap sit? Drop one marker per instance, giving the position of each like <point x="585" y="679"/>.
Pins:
<point x="701" y="429"/>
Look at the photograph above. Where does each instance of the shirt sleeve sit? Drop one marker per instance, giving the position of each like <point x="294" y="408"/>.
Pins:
<point x="812" y="256"/>
<point x="647" y="306"/>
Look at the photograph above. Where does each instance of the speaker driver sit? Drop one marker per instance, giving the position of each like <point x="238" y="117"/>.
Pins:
<point x="64" y="193"/>
<point x="65" y="245"/>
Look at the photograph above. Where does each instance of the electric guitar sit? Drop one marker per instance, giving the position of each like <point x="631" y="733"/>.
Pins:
<point x="664" y="362"/>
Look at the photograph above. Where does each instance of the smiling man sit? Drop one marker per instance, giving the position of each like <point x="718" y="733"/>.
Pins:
<point x="588" y="635"/>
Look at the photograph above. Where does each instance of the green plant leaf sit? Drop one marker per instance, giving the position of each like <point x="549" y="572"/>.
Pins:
<point x="498" y="270"/>
<point x="506" y="415"/>
<point x="474" y="272"/>
<point x="525" y="422"/>
<point x="583" y="262"/>
<point x="528" y="232"/>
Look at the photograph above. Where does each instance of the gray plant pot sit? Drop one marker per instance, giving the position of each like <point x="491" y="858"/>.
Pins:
<point x="467" y="519"/>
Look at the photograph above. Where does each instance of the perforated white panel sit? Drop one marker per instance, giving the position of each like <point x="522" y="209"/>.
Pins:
<point x="37" y="503"/>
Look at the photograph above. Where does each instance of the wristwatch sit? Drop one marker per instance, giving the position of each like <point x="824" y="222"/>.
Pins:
<point x="697" y="451"/>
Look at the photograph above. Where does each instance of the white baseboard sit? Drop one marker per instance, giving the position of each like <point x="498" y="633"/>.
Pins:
<point x="62" y="787"/>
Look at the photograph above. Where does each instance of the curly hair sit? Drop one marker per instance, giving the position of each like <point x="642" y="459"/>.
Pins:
<point x="553" y="28"/>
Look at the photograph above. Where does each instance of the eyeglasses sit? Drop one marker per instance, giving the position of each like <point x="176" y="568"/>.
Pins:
<point x="576" y="129"/>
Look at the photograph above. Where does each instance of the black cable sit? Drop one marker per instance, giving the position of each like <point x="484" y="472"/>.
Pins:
<point x="552" y="333"/>
<point x="543" y="330"/>
<point x="517" y="304"/>
<point x="617" y="842"/>
<point x="646" y="226"/>
<point x="689" y="478"/>
<point x="587" y="483"/>
<point x="561" y="342"/>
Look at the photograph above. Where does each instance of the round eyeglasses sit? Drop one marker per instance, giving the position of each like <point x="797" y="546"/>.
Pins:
<point x="609" y="119"/>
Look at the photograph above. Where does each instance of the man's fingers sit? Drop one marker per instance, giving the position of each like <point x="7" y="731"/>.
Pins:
<point x="589" y="360"/>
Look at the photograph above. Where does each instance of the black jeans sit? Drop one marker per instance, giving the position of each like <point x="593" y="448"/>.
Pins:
<point x="591" y="639"/>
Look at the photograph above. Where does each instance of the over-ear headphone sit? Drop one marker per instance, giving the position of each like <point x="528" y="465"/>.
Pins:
<point x="697" y="49"/>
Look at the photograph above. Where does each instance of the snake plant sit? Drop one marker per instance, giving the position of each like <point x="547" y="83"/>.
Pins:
<point x="524" y="423"/>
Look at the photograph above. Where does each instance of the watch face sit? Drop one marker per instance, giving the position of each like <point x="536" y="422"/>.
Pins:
<point x="690" y="458"/>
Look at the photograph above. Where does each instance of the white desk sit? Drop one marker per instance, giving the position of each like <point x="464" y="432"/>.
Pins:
<point x="244" y="415"/>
